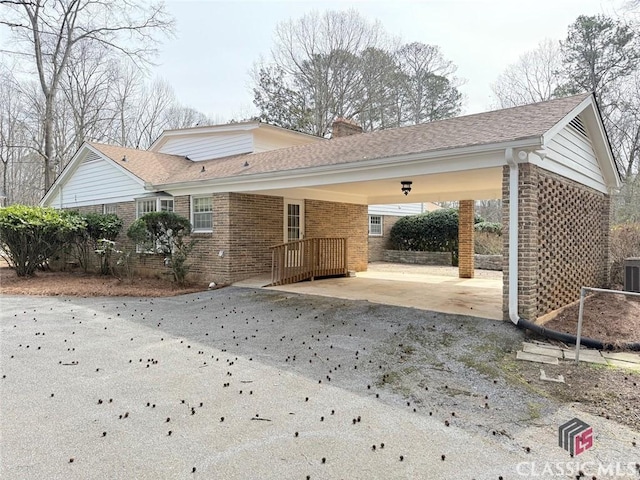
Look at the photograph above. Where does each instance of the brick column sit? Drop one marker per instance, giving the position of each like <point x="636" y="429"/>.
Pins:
<point x="465" y="239"/>
<point x="528" y="249"/>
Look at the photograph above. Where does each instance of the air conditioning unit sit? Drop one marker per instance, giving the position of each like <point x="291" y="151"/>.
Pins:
<point x="632" y="275"/>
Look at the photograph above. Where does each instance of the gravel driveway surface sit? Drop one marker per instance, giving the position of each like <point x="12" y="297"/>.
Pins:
<point x="254" y="384"/>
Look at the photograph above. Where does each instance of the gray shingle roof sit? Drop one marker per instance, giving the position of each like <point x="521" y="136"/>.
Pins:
<point x="498" y="126"/>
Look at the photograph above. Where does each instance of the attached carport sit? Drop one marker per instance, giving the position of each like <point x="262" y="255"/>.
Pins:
<point x="550" y="163"/>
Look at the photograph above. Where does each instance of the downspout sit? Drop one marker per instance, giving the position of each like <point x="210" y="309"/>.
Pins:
<point x="513" y="235"/>
<point x="513" y="270"/>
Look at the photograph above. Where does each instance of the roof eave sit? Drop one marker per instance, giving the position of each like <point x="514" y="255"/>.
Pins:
<point x="523" y="143"/>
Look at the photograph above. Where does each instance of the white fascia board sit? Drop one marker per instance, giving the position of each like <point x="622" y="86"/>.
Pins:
<point x="66" y="171"/>
<point x="559" y="126"/>
<point x="598" y="136"/>
<point x="452" y="160"/>
<point x="73" y="165"/>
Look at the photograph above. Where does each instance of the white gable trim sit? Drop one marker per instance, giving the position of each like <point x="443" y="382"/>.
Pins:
<point x="599" y="141"/>
<point x="77" y="160"/>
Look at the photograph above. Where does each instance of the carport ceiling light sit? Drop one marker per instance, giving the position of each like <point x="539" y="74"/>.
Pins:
<point x="406" y="186"/>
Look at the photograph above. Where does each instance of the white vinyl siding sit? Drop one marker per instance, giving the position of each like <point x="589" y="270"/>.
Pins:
<point x="208" y="147"/>
<point x="202" y="214"/>
<point x="571" y="155"/>
<point x="95" y="183"/>
<point x="375" y="225"/>
<point x="397" y="209"/>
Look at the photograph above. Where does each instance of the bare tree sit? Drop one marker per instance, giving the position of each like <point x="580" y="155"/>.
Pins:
<point x="319" y="55"/>
<point x="150" y="117"/>
<point x="535" y="77"/>
<point x="87" y="84"/>
<point x="428" y="83"/>
<point x="337" y="64"/>
<point x="52" y="31"/>
<point x="21" y="171"/>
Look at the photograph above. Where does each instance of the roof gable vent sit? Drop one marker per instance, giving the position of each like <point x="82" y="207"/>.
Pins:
<point x="578" y="125"/>
<point x="91" y="157"/>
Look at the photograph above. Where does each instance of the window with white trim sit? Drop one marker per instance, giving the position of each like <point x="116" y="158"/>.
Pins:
<point x="148" y="205"/>
<point x="202" y="214"/>
<point x="375" y="225"/>
<point x="153" y="204"/>
<point x="109" y="208"/>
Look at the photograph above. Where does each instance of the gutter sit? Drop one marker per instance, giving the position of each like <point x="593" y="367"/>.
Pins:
<point x="528" y="143"/>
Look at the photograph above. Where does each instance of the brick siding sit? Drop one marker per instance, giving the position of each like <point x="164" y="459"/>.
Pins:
<point x="329" y="219"/>
<point x="564" y="239"/>
<point x="377" y="244"/>
<point x="466" y="218"/>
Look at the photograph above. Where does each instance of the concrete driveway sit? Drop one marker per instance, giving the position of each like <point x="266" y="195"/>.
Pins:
<point x="247" y="384"/>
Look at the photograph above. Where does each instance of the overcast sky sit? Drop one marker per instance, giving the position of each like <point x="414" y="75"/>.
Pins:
<point x="217" y="42"/>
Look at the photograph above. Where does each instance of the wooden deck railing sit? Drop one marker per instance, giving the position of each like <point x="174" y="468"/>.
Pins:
<point x="308" y="259"/>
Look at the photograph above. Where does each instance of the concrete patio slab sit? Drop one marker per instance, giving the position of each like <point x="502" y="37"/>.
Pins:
<point x="414" y="286"/>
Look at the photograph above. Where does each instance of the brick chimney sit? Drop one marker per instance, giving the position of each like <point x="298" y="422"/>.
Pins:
<point x="343" y="127"/>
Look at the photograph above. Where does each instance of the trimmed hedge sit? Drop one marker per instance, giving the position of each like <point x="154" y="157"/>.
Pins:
<point x="29" y="236"/>
<point x="435" y="231"/>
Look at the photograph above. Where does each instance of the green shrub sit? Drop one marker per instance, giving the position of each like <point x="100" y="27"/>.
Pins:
<point x="489" y="227"/>
<point x="164" y="233"/>
<point x="435" y="231"/>
<point x="29" y="236"/>
<point x="404" y="234"/>
<point x="98" y="227"/>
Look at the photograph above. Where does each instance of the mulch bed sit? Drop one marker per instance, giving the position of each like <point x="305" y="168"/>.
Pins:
<point x="611" y="318"/>
<point x="88" y="285"/>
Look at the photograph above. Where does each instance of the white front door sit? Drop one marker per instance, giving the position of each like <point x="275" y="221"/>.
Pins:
<point x="293" y="220"/>
<point x="294" y="230"/>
